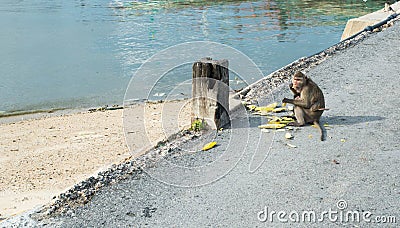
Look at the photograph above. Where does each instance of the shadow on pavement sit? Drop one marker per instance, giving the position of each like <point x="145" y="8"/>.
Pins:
<point x="349" y="120"/>
<point x="255" y="121"/>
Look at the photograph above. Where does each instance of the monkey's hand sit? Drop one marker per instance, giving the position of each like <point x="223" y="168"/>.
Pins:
<point x="293" y="90"/>
<point x="295" y="124"/>
<point x="287" y="100"/>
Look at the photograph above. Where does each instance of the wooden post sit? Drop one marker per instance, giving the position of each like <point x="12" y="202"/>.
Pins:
<point x="210" y="92"/>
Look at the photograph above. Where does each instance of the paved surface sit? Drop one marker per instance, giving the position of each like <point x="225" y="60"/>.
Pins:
<point x="358" y="165"/>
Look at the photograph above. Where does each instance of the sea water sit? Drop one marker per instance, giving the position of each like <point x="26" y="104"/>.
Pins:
<point x="83" y="53"/>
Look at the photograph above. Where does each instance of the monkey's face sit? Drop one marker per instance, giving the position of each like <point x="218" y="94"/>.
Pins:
<point x="298" y="83"/>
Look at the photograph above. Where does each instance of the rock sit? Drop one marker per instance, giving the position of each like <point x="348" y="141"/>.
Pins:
<point x="288" y="135"/>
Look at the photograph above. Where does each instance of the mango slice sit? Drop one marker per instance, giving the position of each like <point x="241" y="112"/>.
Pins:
<point x="209" y="146"/>
<point x="279" y="110"/>
<point x="272" y="126"/>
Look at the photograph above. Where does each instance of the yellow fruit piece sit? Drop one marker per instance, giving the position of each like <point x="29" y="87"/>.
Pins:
<point x="264" y="109"/>
<point x="286" y="121"/>
<point x="284" y="104"/>
<point x="274" y="122"/>
<point x="261" y="113"/>
<point x="268" y="108"/>
<point x="209" y="146"/>
<point x="280" y="121"/>
<point x="251" y="107"/>
<point x="343" y="140"/>
<point x="274" y="118"/>
<point x="287" y="118"/>
<point x="279" y="110"/>
<point x="271" y="126"/>
<point x="273" y="105"/>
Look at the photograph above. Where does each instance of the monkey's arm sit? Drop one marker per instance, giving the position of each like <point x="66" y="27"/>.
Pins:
<point x="295" y="93"/>
<point x="304" y="100"/>
<point x="298" y="102"/>
<point x="292" y="89"/>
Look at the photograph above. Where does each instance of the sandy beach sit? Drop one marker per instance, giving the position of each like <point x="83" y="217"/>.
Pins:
<point x="43" y="156"/>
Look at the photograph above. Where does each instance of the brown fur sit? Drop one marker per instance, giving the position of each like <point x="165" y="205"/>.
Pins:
<point x="308" y="100"/>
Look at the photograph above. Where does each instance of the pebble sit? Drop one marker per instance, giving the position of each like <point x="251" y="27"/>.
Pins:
<point x="288" y="136"/>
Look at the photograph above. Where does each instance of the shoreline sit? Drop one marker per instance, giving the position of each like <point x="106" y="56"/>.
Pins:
<point x="15" y="116"/>
<point x="37" y="114"/>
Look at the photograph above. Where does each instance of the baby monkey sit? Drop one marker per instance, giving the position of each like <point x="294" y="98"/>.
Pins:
<point x="309" y="102"/>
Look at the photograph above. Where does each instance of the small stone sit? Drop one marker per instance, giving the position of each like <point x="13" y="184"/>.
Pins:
<point x="70" y="213"/>
<point x="335" y="162"/>
<point x="132" y="214"/>
<point x="291" y="145"/>
<point x="289" y="136"/>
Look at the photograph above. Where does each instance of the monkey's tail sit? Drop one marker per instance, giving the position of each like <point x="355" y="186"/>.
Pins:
<point x="321" y="130"/>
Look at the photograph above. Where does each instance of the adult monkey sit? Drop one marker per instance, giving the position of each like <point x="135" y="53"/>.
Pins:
<point x="309" y="102"/>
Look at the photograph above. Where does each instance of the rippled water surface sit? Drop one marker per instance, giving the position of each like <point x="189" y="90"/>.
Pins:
<point x="80" y="53"/>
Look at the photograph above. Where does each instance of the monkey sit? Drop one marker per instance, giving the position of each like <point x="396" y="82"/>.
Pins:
<point x="308" y="100"/>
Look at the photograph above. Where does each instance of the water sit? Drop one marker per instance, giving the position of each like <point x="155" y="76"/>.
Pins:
<point x="81" y="53"/>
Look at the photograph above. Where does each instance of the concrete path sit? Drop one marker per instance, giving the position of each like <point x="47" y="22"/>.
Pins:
<point x="353" y="175"/>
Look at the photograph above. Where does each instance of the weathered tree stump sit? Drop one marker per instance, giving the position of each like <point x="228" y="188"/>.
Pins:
<point x="210" y="92"/>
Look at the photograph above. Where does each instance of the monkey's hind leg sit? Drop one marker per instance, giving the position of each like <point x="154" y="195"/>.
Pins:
<point x="299" y="114"/>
